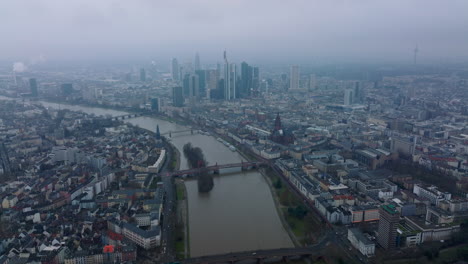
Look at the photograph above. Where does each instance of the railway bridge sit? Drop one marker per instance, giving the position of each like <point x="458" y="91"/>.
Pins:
<point x="214" y="168"/>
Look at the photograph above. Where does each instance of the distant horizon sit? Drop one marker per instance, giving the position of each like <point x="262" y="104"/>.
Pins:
<point x="30" y="64"/>
<point x="260" y="32"/>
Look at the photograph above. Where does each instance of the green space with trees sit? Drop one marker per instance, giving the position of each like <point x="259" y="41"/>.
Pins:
<point x="196" y="159"/>
<point x="303" y="223"/>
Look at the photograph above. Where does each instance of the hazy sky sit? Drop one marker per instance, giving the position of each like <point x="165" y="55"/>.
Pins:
<point x="257" y="30"/>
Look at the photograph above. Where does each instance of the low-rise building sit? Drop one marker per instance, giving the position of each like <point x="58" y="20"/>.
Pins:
<point x="431" y="193"/>
<point x="432" y="232"/>
<point x="361" y="242"/>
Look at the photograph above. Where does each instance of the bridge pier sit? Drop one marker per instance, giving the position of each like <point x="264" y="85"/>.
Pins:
<point x="260" y="260"/>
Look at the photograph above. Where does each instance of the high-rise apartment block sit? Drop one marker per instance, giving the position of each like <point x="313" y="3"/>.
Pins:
<point x="388" y="223"/>
<point x="294" y="79"/>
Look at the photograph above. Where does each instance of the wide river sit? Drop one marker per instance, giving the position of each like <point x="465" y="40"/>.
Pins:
<point x="237" y="215"/>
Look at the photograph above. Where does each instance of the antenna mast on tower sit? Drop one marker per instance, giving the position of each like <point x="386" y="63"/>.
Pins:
<point x="416" y="50"/>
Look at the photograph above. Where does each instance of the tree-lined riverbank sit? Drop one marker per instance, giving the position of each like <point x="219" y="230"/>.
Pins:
<point x="196" y="159"/>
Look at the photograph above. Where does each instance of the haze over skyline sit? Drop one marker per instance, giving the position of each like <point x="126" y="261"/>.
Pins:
<point x="296" y="31"/>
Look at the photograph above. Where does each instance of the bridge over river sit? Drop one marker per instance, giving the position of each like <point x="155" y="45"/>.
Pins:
<point x="262" y="255"/>
<point x="214" y="168"/>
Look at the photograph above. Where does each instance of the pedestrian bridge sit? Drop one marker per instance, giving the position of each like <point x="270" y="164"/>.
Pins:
<point x="126" y="116"/>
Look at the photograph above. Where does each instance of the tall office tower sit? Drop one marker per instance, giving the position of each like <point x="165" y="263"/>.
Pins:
<point x="194" y="86"/>
<point x="211" y="80"/>
<point x="191" y="86"/>
<point x="284" y="81"/>
<point x="230" y="78"/>
<point x="186" y="85"/>
<point x="201" y="82"/>
<point x="220" y="72"/>
<point x="182" y="73"/>
<point x="197" y="62"/>
<point x="294" y="79"/>
<point x="357" y="98"/>
<point x="226" y="78"/>
<point x="142" y="75"/>
<point x="246" y="79"/>
<point x="155" y="104"/>
<point x="348" y="96"/>
<point x="234" y="85"/>
<point x="218" y="93"/>
<point x="177" y="96"/>
<point x="33" y="87"/>
<point x="389" y="218"/>
<point x="264" y="86"/>
<point x="312" y="82"/>
<point x="175" y="69"/>
<point x="255" y="79"/>
<point x="238" y="87"/>
<point x="5" y="167"/>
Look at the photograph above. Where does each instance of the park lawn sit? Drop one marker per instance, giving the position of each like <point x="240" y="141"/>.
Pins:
<point x="296" y="225"/>
<point x="448" y="255"/>
<point x="154" y="183"/>
<point x="180" y="249"/>
<point x="180" y="191"/>
<point x="179" y="242"/>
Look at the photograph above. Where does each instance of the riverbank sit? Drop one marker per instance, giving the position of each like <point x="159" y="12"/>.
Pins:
<point x="302" y="222"/>
<point x="181" y="242"/>
<point x="130" y="110"/>
<point x="279" y="210"/>
<point x="182" y="246"/>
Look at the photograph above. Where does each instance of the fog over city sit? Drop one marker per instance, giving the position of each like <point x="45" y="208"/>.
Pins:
<point x="233" y="131"/>
<point x="301" y="31"/>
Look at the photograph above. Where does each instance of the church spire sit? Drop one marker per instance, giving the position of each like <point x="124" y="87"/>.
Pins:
<point x="278" y="122"/>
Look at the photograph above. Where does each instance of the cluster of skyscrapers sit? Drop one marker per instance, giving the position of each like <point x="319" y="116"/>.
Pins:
<point x="353" y="95"/>
<point x="227" y="84"/>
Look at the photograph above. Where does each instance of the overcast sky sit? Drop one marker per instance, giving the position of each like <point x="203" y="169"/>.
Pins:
<point x="257" y="30"/>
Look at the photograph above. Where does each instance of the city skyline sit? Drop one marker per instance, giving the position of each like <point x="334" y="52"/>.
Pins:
<point x="207" y="131"/>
